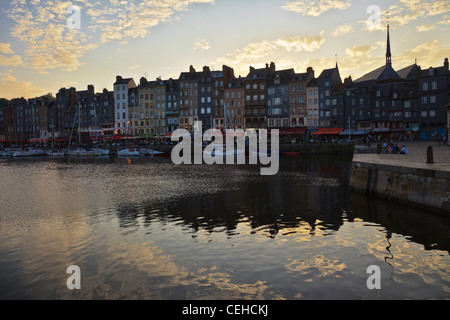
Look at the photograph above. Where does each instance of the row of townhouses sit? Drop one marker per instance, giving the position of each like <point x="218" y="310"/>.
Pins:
<point x="411" y="102"/>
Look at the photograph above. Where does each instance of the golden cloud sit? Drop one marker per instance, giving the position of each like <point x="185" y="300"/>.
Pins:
<point x="316" y="7"/>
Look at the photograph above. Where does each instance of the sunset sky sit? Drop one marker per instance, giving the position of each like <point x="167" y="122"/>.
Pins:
<point x="134" y="38"/>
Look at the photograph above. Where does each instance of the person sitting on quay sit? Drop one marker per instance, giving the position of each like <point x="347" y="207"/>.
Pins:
<point x="404" y="150"/>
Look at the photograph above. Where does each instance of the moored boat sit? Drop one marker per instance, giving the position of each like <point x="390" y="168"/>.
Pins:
<point x="130" y="152"/>
<point x="83" y="153"/>
<point x="53" y="153"/>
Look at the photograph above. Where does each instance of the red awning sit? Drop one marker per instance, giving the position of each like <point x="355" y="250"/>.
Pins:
<point x="328" y="131"/>
<point x="292" y="131"/>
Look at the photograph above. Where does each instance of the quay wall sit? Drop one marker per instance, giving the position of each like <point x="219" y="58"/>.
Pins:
<point x="419" y="187"/>
<point x="325" y="148"/>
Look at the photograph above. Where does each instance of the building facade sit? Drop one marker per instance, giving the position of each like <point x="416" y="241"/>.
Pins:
<point x="298" y="109"/>
<point x="278" y="99"/>
<point x="188" y="99"/>
<point x="234" y="103"/>
<point x="122" y="104"/>
<point x="256" y="91"/>
<point x="312" y="96"/>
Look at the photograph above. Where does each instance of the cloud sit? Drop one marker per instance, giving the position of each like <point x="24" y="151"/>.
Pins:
<point x="11" y="61"/>
<point x="134" y="19"/>
<point x="431" y="53"/>
<point x="316" y="7"/>
<point x="405" y="11"/>
<point x="430" y="27"/>
<point x="11" y="88"/>
<point x="42" y="25"/>
<point x="135" y="67"/>
<point x="5" y="48"/>
<point x="342" y="29"/>
<point x="301" y="43"/>
<point x="257" y="53"/>
<point x="202" y="45"/>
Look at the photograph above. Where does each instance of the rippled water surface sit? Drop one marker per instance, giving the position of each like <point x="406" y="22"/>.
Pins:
<point x="147" y="229"/>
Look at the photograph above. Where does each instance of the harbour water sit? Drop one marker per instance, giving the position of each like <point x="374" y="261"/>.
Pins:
<point x="147" y="229"/>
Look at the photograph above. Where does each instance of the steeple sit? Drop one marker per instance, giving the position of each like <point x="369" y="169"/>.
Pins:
<point x="388" y="51"/>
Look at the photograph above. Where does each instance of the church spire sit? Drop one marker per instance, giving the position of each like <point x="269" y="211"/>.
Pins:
<point x="388" y="51"/>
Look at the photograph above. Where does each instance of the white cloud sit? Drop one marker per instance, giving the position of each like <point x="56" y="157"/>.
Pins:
<point x="258" y="53"/>
<point x="316" y="7"/>
<point x="342" y="29"/>
<point x="135" y="67"/>
<point x="5" y="48"/>
<point x="405" y="11"/>
<point x="202" y="45"/>
<point x="12" y="88"/>
<point x="42" y="26"/>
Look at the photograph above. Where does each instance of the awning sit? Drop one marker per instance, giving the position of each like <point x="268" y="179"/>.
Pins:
<point x="292" y="131"/>
<point x="381" y="130"/>
<point x="347" y="132"/>
<point x="361" y="132"/>
<point x="328" y="131"/>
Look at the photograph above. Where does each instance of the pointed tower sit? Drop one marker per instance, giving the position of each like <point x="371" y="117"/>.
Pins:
<point x="388" y="50"/>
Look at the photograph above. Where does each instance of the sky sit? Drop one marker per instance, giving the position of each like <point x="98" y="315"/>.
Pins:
<point x="48" y="44"/>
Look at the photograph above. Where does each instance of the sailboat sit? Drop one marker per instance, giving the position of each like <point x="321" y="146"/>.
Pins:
<point x="130" y="152"/>
<point x="81" y="151"/>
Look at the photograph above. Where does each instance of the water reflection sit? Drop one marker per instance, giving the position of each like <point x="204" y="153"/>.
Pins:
<point x="146" y="229"/>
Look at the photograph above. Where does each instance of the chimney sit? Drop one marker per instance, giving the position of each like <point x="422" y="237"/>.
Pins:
<point x="118" y="78"/>
<point x="91" y="90"/>
<point x="252" y="69"/>
<point x="143" y="81"/>
<point x="206" y="69"/>
<point x="272" y="66"/>
<point x="191" y="70"/>
<point x="348" y="81"/>
<point x="72" y="97"/>
<point x="446" y="64"/>
<point x="310" y="72"/>
<point x="105" y="91"/>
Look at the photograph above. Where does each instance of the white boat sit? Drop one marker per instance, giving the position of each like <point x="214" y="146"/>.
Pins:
<point x="103" y="152"/>
<point x="152" y="153"/>
<point x="131" y="152"/>
<point x="223" y="152"/>
<point x="29" y="153"/>
<point x="268" y="153"/>
<point x="83" y="153"/>
<point x="52" y="153"/>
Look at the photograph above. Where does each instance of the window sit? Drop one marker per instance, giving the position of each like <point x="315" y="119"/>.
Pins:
<point x="424" y="100"/>
<point x="434" y="85"/>
<point x="433" y="99"/>
<point x="425" y="86"/>
<point x="432" y="113"/>
<point x="407" y="104"/>
<point x="423" y="114"/>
